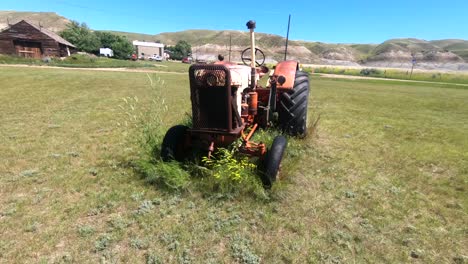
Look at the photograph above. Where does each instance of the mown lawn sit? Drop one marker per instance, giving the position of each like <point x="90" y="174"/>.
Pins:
<point x="85" y="61"/>
<point x="383" y="179"/>
<point x="401" y="74"/>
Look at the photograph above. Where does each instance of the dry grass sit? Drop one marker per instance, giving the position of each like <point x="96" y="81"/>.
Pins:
<point x="383" y="179"/>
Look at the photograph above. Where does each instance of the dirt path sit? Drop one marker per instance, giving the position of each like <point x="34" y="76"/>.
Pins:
<point x="336" y="76"/>
<point x="91" y="69"/>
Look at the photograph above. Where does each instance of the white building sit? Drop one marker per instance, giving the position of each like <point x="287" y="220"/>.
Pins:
<point x="147" y="49"/>
<point x="106" y="52"/>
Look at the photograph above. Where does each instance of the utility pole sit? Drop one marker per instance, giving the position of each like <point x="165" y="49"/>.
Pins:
<point x="413" y="62"/>
<point x="230" y="45"/>
<point x="287" y="38"/>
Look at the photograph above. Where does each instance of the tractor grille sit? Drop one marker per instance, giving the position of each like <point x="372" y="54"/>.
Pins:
<point x="210" y="91"/>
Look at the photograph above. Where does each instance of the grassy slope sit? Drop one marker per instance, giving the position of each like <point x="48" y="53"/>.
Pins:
<point x="201" y="37"/>
<point x="49" y="20"/>
<point x="457" y="46"/>
<point x="383" y="177"/>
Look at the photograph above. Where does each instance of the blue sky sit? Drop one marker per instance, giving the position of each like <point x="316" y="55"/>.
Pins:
<point x="335" y="21"/>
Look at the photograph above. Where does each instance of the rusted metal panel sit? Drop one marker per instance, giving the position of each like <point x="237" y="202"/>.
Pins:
<point x="288" y="70"/>
<point x="210" y="90"/>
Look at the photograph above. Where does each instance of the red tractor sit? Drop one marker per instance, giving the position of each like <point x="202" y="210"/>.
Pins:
<point x="228" y="103"/>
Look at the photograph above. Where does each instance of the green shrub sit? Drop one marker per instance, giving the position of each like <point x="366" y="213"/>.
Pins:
<point x="370" y="72"/>
<point x="230" y="172"/>
<point x="227" y="167"/>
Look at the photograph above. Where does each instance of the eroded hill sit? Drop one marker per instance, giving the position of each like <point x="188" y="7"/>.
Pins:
<point x="447" y="54"/>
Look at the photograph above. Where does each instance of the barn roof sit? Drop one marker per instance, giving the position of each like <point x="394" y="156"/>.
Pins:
<point x="49" y="33"/>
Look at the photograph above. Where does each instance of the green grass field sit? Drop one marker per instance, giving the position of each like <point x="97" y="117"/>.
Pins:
<point x="424" y="76"/>
<point x="84" y="61"/>
<point x="383" y="180"/>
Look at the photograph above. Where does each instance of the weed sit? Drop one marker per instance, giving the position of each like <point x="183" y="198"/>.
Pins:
<point x="461" y="259"/>
<point x="86" y="230"/>
<point x="157" y="201"/>
<point x="9" y="212"/>
<point x="65" y="258"/>
<point x="341" y="238"/>
<point x="327" y="258"/>
<point x="137" y="196"/>
<point x="241" y="251"/>
<point x="138" y="243"/>
<point x="103" y="242"/>
<point x="185" y="257"/>
<point x="145" y="207"/>
<point x="417" y="253"/>
<point x="171" y="242"/>
<point x="226" y="167"/>
<point x="93" y="171"/>
<point x="29" y="173"/>
<point x="174" y="200"/>
<point x="118" y="223"/>
<point x="32" y="227"/>
<point x="152" y="258"/>
<point x="231" y="221"/>
<point x="100" y="209"/>
<point x="350" y="194"/>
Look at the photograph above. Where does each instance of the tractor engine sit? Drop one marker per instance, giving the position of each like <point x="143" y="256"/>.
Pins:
<point x="219" y="103"/>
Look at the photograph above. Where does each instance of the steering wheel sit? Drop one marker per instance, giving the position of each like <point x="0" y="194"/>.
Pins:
<point x="259" y="57"/>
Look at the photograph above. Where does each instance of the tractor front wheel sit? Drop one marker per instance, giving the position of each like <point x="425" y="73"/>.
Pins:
<point x="173" y="145"/>
<point x="272" y="161"/>
<point x="292" y="108"/>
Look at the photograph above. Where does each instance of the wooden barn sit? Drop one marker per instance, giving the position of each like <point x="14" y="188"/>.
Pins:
<point x="27" y="40"/>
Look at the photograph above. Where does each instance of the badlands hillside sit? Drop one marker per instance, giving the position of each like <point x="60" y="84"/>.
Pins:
<point x="447" y="54"/>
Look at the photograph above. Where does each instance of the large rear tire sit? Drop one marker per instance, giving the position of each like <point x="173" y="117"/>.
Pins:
<point x="173" y="145"/>
<point x="272" y="161"/>
<point x="292" y="108"/>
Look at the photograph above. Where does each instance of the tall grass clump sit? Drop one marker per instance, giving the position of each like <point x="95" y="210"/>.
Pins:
<point x="226" y="171"/>
<point x="145" y="129"/>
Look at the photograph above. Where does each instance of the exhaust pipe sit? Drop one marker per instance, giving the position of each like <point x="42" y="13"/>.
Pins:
<point x="251" y="26"/>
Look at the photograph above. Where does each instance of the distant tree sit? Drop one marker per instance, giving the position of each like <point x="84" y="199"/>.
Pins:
<point x="120" y="45"/>
<point x="180" y="50"/>
<point x="82" y="37"/>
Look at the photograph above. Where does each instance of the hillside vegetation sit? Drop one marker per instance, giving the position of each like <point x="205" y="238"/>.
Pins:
<point x="448" y="54"/>
<point x="49" y="20"/>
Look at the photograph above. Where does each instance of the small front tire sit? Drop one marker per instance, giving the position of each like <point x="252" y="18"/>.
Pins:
<point x="272" y="161"/>
<point x="173" y="145"/>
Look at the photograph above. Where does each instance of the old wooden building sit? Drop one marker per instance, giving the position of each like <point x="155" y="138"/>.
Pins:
<point x="27" y="40"/>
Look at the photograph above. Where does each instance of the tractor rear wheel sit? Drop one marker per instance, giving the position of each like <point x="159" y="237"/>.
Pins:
<point x="172" y="147"/>
<point x="272" y="161"/>
<point x="292" y="108"/>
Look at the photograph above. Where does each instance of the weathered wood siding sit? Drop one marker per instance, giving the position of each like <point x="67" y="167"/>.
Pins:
<point x="22" y="31"/>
